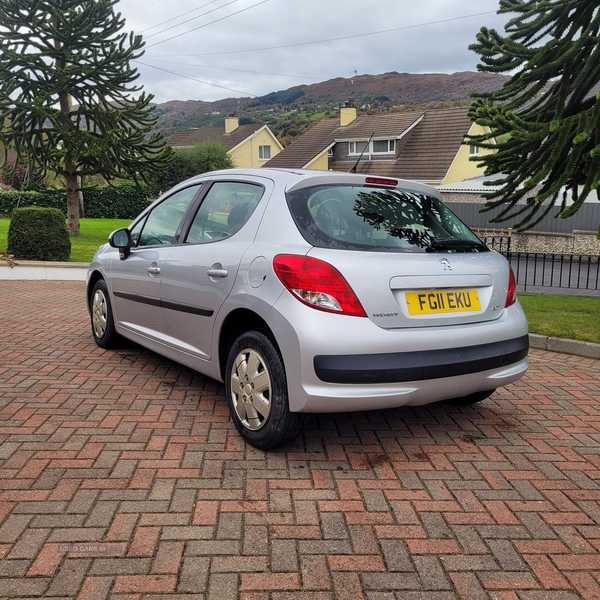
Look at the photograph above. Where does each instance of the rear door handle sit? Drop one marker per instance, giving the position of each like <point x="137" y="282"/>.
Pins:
<point x="153" y="270"/>
<point x="217" y="272"/>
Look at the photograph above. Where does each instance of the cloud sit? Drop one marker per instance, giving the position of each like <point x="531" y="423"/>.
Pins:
<point x="235" y="48"/>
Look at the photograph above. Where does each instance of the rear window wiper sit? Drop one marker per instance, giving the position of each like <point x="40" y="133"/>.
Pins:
<point x="455" y="244"/>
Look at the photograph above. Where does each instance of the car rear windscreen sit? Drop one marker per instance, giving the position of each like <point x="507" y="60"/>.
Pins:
<point x="376" y="219"/>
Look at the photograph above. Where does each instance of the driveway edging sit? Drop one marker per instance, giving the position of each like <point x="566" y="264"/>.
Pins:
<point x="566" y="346"/>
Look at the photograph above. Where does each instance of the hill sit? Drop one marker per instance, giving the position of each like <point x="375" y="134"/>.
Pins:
<point x="290" y="111"/>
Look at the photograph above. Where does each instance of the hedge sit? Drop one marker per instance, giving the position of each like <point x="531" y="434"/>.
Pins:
<point x="122" y="201"/>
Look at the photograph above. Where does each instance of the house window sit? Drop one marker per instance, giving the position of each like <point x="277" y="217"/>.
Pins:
<point x="473" y="150"/>
<point x="384" y="146"/>
<point x="376" y="147"/>
<point x="357" y="147"/>
<point x="264" y="152"/>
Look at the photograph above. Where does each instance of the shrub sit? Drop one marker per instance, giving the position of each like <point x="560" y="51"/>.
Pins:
<point x="38" y="234"/>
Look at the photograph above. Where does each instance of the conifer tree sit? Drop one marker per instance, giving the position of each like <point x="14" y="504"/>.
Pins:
<point x="545" y="120"/>
<point x="68" y="104"/>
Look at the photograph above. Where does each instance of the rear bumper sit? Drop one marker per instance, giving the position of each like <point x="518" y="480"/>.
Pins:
<point x="338" y="363"/>
<point x="402" y="367"/>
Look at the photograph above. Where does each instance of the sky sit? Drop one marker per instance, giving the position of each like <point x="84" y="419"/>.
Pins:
<point x="213" y="49"/>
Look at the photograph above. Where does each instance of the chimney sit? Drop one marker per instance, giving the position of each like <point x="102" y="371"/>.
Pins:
<point x="347" y="115"/>
<point x="231" y="124"/>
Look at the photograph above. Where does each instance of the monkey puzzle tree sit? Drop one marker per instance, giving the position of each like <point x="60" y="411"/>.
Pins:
<point x="544" y="123"/>
<point x="67" y="102"/>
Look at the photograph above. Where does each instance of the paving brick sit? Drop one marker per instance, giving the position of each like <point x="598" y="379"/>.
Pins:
<point x="223" y="586"/>
<point x="506" y="555"/>
<point x="229" y="526"/>
<point x="14" y="568"/>
<point x="29" y="544"/>
<point x="364" y="564"/>
<point x="284" y="555"/>
<point x="347" y="586"/>
<point x="269" y="581"/>
<point x="548" y="575"/>
<point x="13" y="527"/>
<point x="468" y="586"/>
<point x="120" y="566"/>
<point x="69" y="578"/>
<point x="168" y="557"/>
<point x="47" y="561"/>
<point x="95" y="588"/>
<point x="193" y="574"/>
<point x="144" y="584"/>
<point x="144" y="542"/>
<point x="17" y="587"/>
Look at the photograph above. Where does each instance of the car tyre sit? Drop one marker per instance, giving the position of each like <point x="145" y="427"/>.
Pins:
<point x="103" y="323"/>
<point x="256" y="389"/>
<point x="471" y="398"/>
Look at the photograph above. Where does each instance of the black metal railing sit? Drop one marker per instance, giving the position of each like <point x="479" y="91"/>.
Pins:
<point x="546" y="269"/>
<point x="565" y="271"/>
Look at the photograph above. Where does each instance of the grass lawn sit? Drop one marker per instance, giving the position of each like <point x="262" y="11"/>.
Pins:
<point x="560" y="316"/>
<point x="94" y="233"/>
<point x="568" y="317"/>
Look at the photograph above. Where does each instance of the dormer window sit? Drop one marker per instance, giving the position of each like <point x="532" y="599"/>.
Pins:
<point x="384" y="146"/>
<point x="357" y="147"/>
<point x="374" y="147"/>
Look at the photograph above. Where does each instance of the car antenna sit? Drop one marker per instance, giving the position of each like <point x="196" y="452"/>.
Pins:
<point x="353" y="169"/>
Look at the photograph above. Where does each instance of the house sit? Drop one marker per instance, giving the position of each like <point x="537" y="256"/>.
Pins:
<point x="248" y="145"/>
<point x="425" y="146"/>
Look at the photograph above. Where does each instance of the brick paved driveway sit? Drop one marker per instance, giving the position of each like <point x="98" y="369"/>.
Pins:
<point x="121" y="477"/>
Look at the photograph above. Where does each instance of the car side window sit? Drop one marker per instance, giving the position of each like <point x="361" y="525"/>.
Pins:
<point x="162" y="222"/>
<point x="135" y="232"/>
<point x="224" y="211"/>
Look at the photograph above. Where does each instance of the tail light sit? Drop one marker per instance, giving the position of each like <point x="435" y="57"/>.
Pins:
<point x="511" y="293"/>
<point x="317" y="284"/>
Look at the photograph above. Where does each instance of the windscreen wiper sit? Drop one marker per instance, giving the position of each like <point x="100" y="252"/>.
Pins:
<point x="456" y="244"/>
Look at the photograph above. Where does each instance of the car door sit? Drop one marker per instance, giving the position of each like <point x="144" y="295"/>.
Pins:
<point x="201" y="272"/>
<point x="136" y="279"/>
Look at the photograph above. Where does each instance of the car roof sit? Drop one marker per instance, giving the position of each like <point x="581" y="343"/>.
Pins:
<point x="292" y="179"/>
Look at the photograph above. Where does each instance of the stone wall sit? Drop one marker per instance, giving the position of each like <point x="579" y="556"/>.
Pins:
<point x="577" y="242"/>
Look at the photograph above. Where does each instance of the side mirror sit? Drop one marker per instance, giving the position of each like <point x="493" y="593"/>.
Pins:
<point x="121" y="239"/>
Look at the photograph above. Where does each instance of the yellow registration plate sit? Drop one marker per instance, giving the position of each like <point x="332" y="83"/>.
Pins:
<point x="429" y="302"/>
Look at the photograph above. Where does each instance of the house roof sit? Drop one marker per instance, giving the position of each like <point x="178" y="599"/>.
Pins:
<point x="326" y="132"/>
<point x="190" y="137"/>
<point x="379" y="126"/>
<point x="429" y="143"/>
<point x="428" y="151"/>
<point x="307" y="147"/>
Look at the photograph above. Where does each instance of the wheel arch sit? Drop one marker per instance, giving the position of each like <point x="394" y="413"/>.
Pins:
<point x="236" y="323"/>
<point x="93" y="278"/>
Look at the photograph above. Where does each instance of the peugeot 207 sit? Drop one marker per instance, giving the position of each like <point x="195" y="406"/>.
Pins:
<point x="306" y="291"/>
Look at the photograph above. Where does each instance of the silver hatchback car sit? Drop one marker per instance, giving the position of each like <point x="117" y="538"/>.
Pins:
<point x="308" y="291"/>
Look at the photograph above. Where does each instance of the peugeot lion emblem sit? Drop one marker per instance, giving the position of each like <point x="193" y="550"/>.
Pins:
<point x="446" y="264"/>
